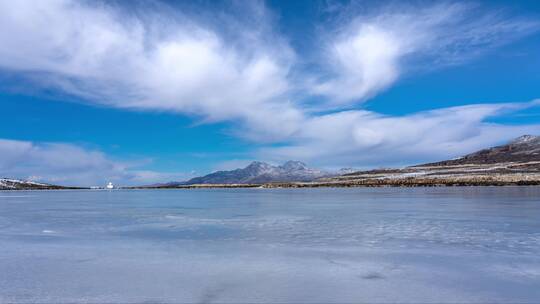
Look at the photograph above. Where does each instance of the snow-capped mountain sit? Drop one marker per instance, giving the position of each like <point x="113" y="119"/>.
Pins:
<point x="261" y="172"/>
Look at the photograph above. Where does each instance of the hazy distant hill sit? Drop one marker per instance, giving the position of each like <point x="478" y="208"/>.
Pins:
<point x="260" y="172"/>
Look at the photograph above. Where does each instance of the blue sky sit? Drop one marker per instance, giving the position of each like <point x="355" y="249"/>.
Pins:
<point x="143" y="92"/>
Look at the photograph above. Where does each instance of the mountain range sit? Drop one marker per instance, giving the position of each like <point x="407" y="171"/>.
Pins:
<point x="509" y="162"/>
<point x="260" y="172"/>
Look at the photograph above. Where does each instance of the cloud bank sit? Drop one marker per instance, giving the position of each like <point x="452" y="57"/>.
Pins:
<point x="366" y="139"/>
<point x="238" y="70"/>
<point x="68" y="164"/>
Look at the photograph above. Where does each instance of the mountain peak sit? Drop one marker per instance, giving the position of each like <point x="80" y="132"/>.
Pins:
<point x="261" y="172"/>
<point x="292" y="165"/>
<point x="524" y="139"/>
<point x="258" y="165"/>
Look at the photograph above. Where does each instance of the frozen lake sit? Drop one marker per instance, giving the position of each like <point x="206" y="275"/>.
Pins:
<point x="478" y="244"/>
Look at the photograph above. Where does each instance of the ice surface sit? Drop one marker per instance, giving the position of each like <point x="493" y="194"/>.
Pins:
<point x="271" y="245"/>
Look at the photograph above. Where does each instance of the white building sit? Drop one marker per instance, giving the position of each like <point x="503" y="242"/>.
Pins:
<point x="110" y="186"/>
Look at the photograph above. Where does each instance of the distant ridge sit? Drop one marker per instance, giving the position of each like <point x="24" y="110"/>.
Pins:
<point x="515" y="163"/>
<point x="525" y="148"/>
<point x="260" y="172"/>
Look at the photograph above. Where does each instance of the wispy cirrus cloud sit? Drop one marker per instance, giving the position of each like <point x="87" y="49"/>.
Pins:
<point x="364" y="138"/>
<point x="368" y="52"/>
<point x="153" y="60"/>
<point x="157" y="60"/>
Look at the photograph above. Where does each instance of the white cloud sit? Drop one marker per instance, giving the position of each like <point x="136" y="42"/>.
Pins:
<point x="157" y="60"/>
<point x="68" y="164"/>
<point x="109" y="57"/>
<point x="370" y="52"/>
<point x="364" y="63"/>
<point x="364" y="138"/>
